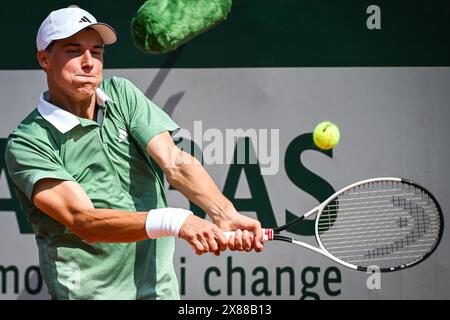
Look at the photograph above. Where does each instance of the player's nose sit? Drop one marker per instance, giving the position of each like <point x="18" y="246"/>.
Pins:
<point x="86" y="59"/>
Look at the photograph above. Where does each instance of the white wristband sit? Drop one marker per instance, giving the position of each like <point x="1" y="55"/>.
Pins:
<point x="165" y="222"/>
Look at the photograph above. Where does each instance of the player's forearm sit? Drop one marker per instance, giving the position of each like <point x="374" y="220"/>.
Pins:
<point x="107" y="225"/>
<point x="193" y="181"/>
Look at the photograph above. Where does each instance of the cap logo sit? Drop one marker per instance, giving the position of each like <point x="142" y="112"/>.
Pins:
<point x="84" y="19"/>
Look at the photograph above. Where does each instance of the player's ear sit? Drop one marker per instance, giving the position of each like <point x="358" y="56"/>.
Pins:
<point x="42" y="57"/>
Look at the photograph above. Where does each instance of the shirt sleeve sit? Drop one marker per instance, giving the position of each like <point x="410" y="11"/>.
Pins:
<point x="145" y="119"/>
<point x="28" y="162"/>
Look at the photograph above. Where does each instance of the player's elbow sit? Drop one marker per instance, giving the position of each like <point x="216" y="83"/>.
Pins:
<point x="82" y="225"/>
<point x="178" y="171"/>
<point x="173" y="175"/>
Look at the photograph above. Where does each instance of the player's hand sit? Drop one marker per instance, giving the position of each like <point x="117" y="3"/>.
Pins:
<point x="203" y="235"/>
<point x="248" y="233"/>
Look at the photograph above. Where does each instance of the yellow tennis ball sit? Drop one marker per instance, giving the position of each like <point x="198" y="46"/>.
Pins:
<point x="326" y="135"/>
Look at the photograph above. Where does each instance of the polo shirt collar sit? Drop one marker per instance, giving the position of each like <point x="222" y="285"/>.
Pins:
<point x="61" y="119"/>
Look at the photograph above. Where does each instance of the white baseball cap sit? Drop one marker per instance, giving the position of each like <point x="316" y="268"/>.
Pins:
<point x="64" y="23"/>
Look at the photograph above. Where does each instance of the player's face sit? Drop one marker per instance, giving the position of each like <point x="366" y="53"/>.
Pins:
<point x="75" y="64"/>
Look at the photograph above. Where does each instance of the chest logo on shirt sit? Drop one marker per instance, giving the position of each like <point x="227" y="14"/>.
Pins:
<point x="122" y="135"/>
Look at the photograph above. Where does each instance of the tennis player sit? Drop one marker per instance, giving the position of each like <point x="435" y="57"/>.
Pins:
<point x="81" y="166"/>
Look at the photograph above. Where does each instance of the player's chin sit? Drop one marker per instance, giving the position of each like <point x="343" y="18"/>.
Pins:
<point x="87" y="88"/>
<point x="86" y="91"/>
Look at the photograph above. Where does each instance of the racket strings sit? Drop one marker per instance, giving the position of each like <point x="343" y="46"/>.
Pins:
<point x="356" y="222"/>
<point x="383" y="223"/>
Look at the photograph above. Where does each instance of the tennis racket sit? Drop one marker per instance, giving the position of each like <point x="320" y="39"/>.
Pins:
<point x="390" y="223"/>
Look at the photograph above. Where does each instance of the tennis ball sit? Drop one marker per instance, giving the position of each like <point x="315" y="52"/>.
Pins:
<point x="326" y="135"/>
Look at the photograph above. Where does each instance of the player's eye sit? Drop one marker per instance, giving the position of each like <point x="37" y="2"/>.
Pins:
<point x="73" y="51"/>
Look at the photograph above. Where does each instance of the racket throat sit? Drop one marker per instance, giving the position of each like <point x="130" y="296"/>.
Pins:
<point x="282" y="238"/>
<point x="288" y="225"/>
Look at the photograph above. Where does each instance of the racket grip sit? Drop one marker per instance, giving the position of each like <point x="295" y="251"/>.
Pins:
<point x="267" y="234"/>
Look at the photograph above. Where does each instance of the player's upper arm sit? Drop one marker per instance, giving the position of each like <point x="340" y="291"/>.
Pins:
<point x="64" y="201"/>
<point x="163" y="150"/>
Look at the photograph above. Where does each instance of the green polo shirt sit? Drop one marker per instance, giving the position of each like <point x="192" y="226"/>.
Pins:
<point x="108" y="159"/>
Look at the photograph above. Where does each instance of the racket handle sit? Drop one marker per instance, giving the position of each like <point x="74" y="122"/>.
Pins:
<point x="267" y="234"/>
